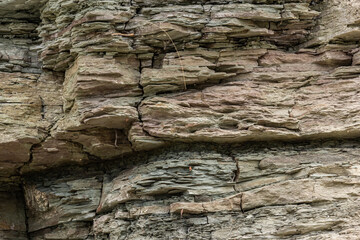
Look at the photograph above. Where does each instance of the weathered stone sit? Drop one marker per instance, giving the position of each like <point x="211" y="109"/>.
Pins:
<point x="73" y="230"/>
<point x="12" y="212"/>
<point x="52" y="153"/>
<point x="177" y="74"/>
<point x="140" y="140"/>
<point x="268" y="103"/>
<point x="136" y="184"/>
<point x="29" y="105"/>
<point x="144" y="119"/>
<point x="61" y="201"/>
<point x="338" y="23"/>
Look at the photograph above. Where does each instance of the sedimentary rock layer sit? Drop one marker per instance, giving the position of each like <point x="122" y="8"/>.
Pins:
<point x="179" y="119"/>
<point x="249" y="191"/>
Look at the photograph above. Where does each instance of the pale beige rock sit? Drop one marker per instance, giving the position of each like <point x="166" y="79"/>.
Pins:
<point x="29" y="105"/>
<point x="282" y="100"/>
<point x="100" y="103"/>
<point x="338" y="22"/>
<point x="94" y="76"/>
<point x="286" y="193"/>
<point x="178" y="74"/>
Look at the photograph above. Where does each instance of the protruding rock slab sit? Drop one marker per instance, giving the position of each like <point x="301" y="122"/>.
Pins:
<point x="285" y="190"/>
<point x="52" y="153"/>
<point x="29" y="105"/>
<point x="179" y="73"/>
<point x="170" y="176"/>
<point x="61" y="201"/>
<point x="288" y="96"/>
<point x="339" y="22"/>
<point x="101" y="98"/>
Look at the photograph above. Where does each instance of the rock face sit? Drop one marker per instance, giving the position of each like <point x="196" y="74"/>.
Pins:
<point x="179" y="119"/>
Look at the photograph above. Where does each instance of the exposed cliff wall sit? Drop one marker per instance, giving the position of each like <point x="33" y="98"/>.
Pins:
<point x="179" y="119"/>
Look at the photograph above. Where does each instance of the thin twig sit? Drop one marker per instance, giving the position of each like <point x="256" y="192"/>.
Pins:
<point x="124" y="34"/>
<point x="116" y="138"/>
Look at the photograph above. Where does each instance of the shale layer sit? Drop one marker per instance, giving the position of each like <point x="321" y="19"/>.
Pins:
<point x="179" y="119"/>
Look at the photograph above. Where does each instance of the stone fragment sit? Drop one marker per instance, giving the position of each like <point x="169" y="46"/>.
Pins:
<point x="94" y="76"/>
<point x="235" y="111"/>
<point x="179" y="74"/>
<point x="52" y="153"/>
<point x="61" y="201"/>
<point x="339" y="21"/>
<point x="136" y="184"/>
<point x="103" y="143"/>
<point x="27" y="110"/>
<point x="140" y="140"/>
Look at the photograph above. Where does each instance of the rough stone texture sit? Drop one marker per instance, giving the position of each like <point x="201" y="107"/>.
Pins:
<point x="179" y="119"/>
<point x="12" y="212"/>
<point x="264" y="191"/>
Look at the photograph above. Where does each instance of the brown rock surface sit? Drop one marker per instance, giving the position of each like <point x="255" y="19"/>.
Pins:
<point x="12" y="212"/>
<point x="179" y="119"/>
<point x="289" y="96"/>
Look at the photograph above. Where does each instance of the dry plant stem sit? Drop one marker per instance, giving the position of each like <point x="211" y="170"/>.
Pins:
<point x="124" y="34"/>
<point x="116" y="138"/>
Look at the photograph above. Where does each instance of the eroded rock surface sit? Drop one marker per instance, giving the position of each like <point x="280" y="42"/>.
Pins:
<point x="306" y="190"/>
<point x="179" y="119"/>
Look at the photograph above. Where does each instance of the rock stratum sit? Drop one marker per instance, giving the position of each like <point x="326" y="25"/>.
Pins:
<point x="179" y="119"/>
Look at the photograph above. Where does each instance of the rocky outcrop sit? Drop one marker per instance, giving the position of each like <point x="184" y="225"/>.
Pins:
<point x="179" y="119"/>
<point x="264" y="191"/>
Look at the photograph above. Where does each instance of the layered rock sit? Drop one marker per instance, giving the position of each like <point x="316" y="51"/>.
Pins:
<point x="116" y="54"/>
<point x="206" y="191"/>
<point x="135" y="119"/>
<point x="287" y="96"/>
